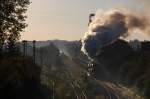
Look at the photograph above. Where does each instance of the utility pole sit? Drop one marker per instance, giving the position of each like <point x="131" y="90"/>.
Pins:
<point x="41" y="56"/>
<point x="53" y="90"/>
<point x="34" y="42"/>
<point x="24" y="48"/>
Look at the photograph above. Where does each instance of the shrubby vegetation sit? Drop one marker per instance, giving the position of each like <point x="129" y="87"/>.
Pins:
<point x="125" y="65"/>
<point x="19" y="78"/>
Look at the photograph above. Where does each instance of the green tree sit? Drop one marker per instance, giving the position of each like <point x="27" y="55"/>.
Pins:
<point x="12" y="22"/>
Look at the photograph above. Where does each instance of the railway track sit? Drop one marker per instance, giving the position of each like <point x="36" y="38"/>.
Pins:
<point x="79" y="93"/>
<point x="108" y="92"/>
<point x="111" y="94"/>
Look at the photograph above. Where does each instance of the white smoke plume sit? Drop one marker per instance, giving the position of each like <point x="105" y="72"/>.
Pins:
<point x="108" y="26"/>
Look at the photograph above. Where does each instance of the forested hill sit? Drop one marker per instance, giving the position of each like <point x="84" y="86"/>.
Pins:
<point x="125" y="63"/>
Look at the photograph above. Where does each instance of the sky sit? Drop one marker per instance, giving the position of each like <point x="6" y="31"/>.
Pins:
<point x="68" y="19"/>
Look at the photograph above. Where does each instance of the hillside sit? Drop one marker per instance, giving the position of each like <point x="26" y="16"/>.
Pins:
<point x="119" y="66"/>
<point x="120" y="63"/>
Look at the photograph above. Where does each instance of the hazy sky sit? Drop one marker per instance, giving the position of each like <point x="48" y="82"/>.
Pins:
<point x="68" y="19"/>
